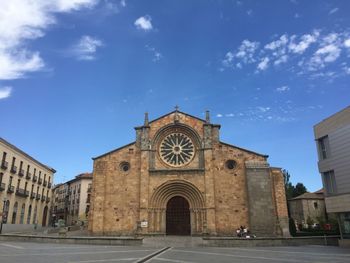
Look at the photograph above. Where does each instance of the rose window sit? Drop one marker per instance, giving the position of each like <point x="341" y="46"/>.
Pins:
<point x="176" y="149"/>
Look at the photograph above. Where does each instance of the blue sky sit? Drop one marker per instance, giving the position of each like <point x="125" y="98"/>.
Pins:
<point x="76" y="76"/>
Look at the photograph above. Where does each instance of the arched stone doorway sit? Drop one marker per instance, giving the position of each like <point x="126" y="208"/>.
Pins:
<point x="178" y="220"/>
<point x="172" y="195"/>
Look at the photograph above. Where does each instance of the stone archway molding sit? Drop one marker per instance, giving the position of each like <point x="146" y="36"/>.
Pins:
<point x="164" y="192"/>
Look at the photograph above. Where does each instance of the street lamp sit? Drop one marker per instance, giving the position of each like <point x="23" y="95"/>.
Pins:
<point x="3" y="214"/>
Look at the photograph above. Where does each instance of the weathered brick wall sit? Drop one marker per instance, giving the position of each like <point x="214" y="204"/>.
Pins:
<point x="194" y="123"/>
<point x="231" y="202"/>
<point x="115" y="193"/>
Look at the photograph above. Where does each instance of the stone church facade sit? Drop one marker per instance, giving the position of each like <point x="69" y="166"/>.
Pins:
<point x="178" y="178"/>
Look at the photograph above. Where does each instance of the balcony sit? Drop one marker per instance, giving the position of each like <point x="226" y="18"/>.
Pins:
<point x="28" y="176"/>
<point x="32" y="195"/>
<point x="13" y="169"/>
<point x="88" y="200"/>
<point x="45" y="183"/>
<point x="10" y="189"/>
<point x="49" y="185"/>
<point x="48" y="199"/>
<point x="35" y="178"/>
<point x="89" y="189"/>
<point x="38" y="196"/>
<point x="4" y="165"/>
<point x="21" y="172"/>
<point x="43" y="198"/>
<point x="40" y="181"/>
<point x="22" y="192"/>
<point x="2" y="186"/>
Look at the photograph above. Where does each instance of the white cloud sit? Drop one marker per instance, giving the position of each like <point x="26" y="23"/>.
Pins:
<point x="282" y="59"/>
<point x="264" y="63"/>
<point x="249" y="12"/>
<point x="246" y="51"/>
<point x="244" y="55"/>
<point x="324" y="55"/>
<point x="23" y="20"/>
<point x="227" y="61"/>
<point x="309" y="52"/>
<point x="264" y="109"/>
<point x="334" y="10"/>
<point x="157" y="56"/>
<point x="347" y="70"/>
<point x="305" y="41"/>
<point x="281" y="42"/>
<point x="5" y="92"/>
<point x="329" y="53"/>
<point x="144" y="23"/>
<point x="282" y="89"/>
<point x="86" y="48"/>
<point x="123" y="3"/>
<point x="347" y="42"/>
<point x="14" y="65"/>
<point x="219" y="115"/>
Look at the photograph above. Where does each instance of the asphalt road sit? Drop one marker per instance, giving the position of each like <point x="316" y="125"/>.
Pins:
<point x="63" y="253"/>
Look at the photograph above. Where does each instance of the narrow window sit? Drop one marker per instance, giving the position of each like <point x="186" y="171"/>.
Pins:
<point x="329" y="182"/>
<point x="323" y="145"/>
<point x="10" y="181"/>
<point x="4" y="156"/>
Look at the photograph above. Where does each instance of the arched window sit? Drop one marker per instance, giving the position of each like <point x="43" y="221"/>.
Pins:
<point x="35" y="214"/>
<point x="14" y="213"/>
<point x="29" y="214"/>
<point x="21" y="219"/>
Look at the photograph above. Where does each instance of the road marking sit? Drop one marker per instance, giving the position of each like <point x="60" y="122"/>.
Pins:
<point x="12" y="246"/>
<point x="75" y="253"/>
<point x="151" y="256"/>
<point x="172" y="260"/>
<point x="104" y="260"/>
<point x="286" y="252"/>
<point x="240" y="256"/>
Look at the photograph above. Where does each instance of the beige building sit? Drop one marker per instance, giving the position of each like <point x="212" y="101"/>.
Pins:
<point x="25" y="187"/>
<point x="308" y="206"/>
<point x="72" y="200"/>
<point x="333" y="145"/>
<point x="178" y="178"/>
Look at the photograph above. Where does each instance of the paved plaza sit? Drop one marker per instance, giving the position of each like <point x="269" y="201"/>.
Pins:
<point x="64" y="253"/>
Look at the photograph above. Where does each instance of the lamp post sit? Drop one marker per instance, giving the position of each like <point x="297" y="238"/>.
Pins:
<point x="3" y="214"/>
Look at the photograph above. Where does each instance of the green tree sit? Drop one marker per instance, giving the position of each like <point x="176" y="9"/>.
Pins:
<point x="299" y="189"/>
<point x="289" y="188"/>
